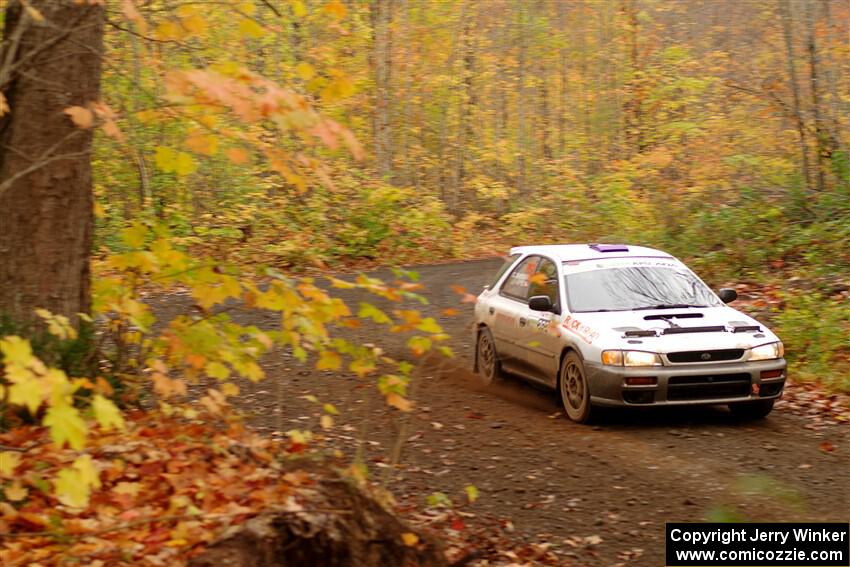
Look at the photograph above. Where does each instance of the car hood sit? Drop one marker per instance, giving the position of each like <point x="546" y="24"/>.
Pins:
<point x="610" y="329"/>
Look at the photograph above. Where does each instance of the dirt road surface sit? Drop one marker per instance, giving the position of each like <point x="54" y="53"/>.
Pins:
<point x="599" y="494"/>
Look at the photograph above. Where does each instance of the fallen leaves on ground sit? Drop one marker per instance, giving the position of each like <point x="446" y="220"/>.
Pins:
<point x="167" y="487"/>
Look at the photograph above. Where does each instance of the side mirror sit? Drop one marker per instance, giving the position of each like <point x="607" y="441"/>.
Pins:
<point x="540" y="303"/>
<point x="727" y="295"/>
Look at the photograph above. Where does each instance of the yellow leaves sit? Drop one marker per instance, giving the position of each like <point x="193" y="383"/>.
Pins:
<point x="81" y="117"/>
<point x="172" y="161"/>
<point x="326" y="421"/>
<point x="249" y="28"/>
<point x="209" y="294"/>
<point x="57" y="325"/>
<point x="419" y="345"/>
<point x="217" y="370"/>
<point x="409" y="539"/>
<point x="369" y="311"/>
<point x="230" y="389"/>
<point x="169" y="30"/>
<point x="361" y="367"/>
<point x="106" y="414"/>
<point x="247" y="8"/>
<point x="135" y="235"/>
<point x="66" y="426"/>
<point x="9" y="461"/>
<point x="298" y="8"/>
<point x="73" y="485"/>
<point x="26" y="390"/>
<point x="429" y="325"/>
<point x="471" y="493"/>
<point x="340" y="86"/>
<point x="15" y="350"/>
<point x="328" y="360"/>
<point x="195" y="24"/>
<point x="305" y="71"/>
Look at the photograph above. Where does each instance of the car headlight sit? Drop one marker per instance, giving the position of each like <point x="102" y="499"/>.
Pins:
<point x="770" y="351"/>
<point x="630" y="358"/>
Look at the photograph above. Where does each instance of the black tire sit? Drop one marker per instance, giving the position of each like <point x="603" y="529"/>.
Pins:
<point x="489" y="366"/>
<point x="752" y="410"/>
<point x="573" y="389"/>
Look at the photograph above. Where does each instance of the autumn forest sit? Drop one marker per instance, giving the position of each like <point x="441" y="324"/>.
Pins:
<point x="202" y="201"/>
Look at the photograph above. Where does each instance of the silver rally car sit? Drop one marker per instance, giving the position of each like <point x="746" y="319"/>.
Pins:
<point x="618" y="325"/>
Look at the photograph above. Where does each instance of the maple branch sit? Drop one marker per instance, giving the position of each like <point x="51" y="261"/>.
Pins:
<point x="272" y="8"/>
<point x="36" y="166"/>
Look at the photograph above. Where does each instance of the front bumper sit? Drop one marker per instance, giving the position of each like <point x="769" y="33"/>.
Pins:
<point x="686" y="384"/>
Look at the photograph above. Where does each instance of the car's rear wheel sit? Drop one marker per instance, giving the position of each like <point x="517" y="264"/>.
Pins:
<point x="572" y="386"/>
<point x="489" y="367"/>
<point x="752" y="410"/>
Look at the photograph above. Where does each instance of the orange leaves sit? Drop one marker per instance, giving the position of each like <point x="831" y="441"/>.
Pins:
<point x="399" y="402"/>
<point x="132" y="14"/>
<point x="237" y="156"/>
<point x="466" y="297"/>
<point x="328" y="360"/>
<point x="126" y="491"/>
<point x="335" y="8"/>
<point x="95" y="112"/>
<point x="206" y="144"/>
<point x="81" y="117"/>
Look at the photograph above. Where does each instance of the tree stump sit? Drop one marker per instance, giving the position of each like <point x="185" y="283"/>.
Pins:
<point x="345" y="528"/>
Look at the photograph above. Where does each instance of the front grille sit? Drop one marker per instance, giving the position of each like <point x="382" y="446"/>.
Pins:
<point x="705" y="355"/>
<point x="708" y="387"/>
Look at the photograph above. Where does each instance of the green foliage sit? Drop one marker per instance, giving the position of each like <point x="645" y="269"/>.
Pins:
<point x="75" y="355"/>
<point x="816" y="332"/>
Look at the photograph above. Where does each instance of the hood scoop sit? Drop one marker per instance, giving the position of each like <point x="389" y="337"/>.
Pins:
<point x="705" y="329"/>
<point x="743" y="327"/>
<point x="673" y="316"/>
<point x="631" y="333"/>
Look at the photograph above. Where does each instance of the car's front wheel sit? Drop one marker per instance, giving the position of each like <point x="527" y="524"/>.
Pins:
<point x="572" y="386"/>
<point x="752" y="410"/>
<point x="489" y="367"/>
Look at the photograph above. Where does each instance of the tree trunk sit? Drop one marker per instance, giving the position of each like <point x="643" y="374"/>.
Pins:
<point x="381" y="14"/>
<point x="822" y="139"/>
<point x="785" y="11"/>
<point x="521" y="102"/>
<point x="46" y="200"/>
<point x="562" y="71"/>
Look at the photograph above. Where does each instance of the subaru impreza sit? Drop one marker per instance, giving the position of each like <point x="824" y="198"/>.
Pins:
<point x="621" y="325"/>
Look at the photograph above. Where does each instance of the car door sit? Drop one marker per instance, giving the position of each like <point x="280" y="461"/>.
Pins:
<point x="507" y="307"/>
<point x="539" y="337"/>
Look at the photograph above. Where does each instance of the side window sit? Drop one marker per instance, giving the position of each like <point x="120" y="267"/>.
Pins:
<point x="517" y="284"/>
<point x="545" y="281"/>
<point x="508" y="263"/>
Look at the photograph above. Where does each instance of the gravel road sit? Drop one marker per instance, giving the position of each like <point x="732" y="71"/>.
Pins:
<point x="600" y="495"/>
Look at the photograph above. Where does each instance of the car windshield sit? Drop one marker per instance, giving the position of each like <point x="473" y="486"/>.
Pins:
<point x="630" y="288"/>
